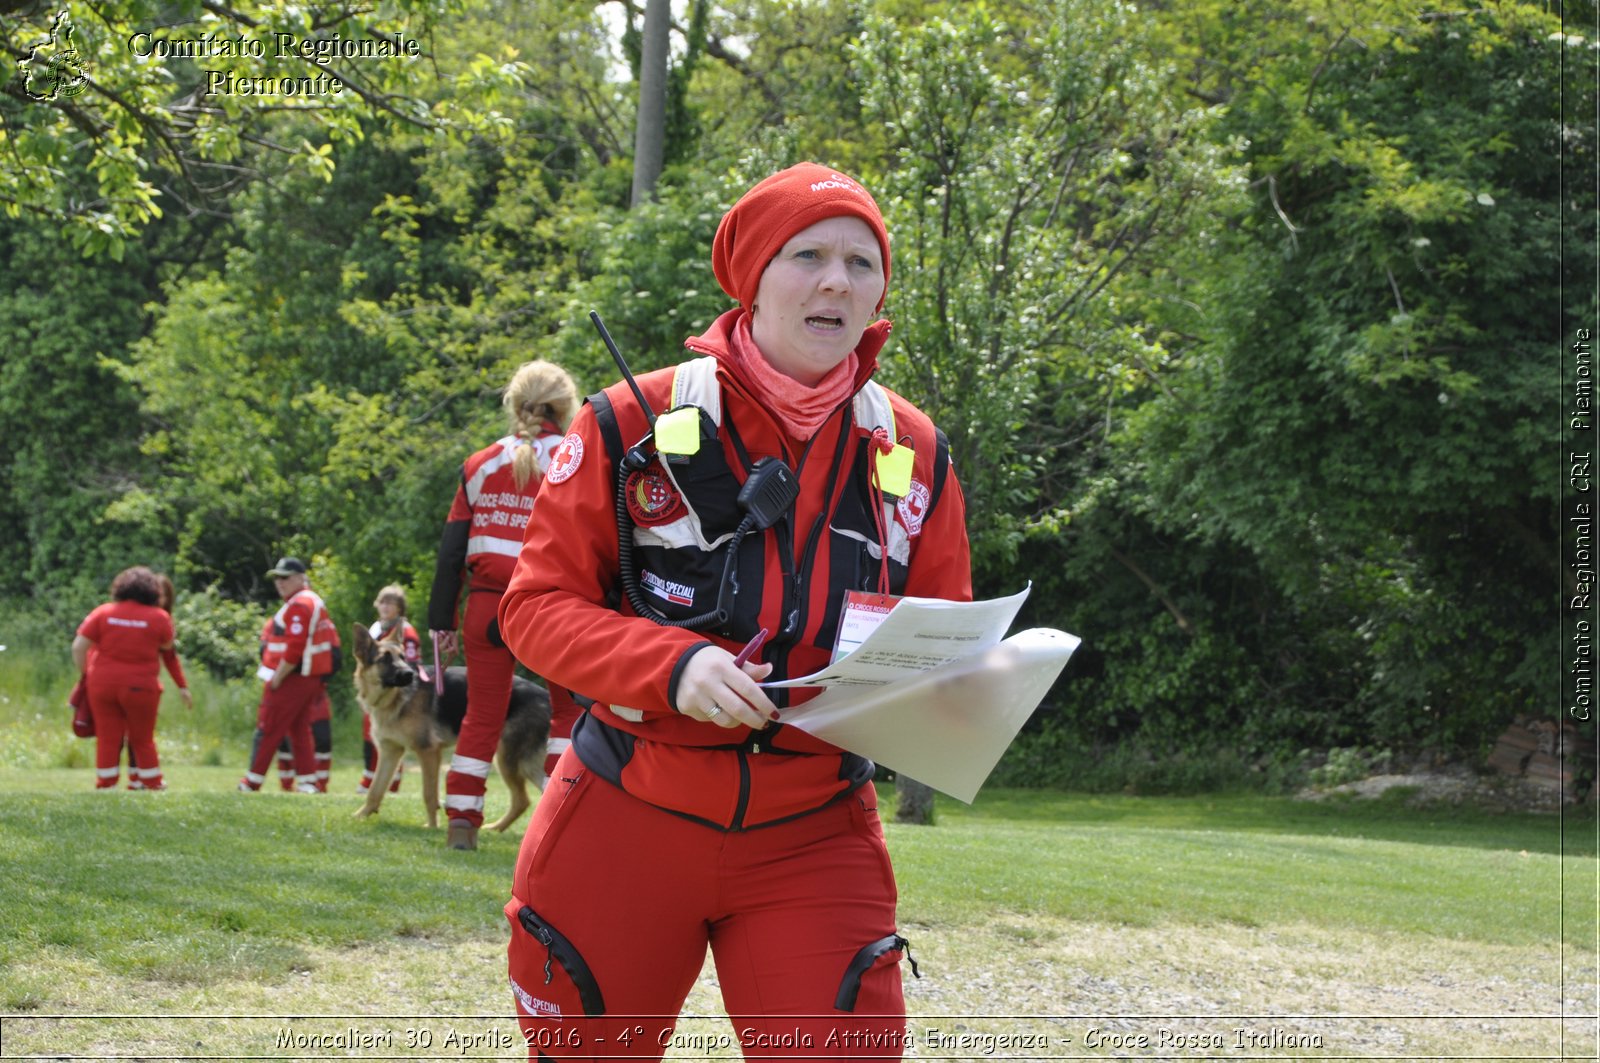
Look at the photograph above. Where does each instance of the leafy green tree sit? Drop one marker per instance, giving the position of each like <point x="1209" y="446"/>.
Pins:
<point x="777" y="85"/>
<point x="354" y="346"/>
<point x="1033" y="160"/>
<point x="1232" y="311"/>
<point x="113" y="115"/>
<point x="70" y="451"/>
<point x="1371" y="388"/>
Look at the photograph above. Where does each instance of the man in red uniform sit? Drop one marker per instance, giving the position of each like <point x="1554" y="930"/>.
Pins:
<point x="685" y="812"/>
<point x="481" y="538"/>
<point x="296" y="659"/>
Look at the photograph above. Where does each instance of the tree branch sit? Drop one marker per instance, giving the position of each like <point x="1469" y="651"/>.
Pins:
<point x="1151" y="585"/>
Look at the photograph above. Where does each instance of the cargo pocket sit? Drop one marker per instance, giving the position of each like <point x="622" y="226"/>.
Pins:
<point x="551" y="813"/>
<point x="883" y="952"/>
<point x="558" y="950"/>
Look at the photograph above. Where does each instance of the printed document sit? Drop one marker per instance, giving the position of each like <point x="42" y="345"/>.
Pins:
<point x="934" y="691"/>
<point x="915" y="635"/>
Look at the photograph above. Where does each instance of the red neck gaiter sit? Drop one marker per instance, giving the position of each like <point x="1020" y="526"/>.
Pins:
<point x="800" y="409"/>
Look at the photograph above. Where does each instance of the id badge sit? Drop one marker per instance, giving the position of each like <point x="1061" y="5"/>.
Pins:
<point x="863" y="612"/>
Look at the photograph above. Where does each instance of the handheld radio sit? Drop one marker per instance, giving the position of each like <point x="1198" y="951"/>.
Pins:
<point x="768" y="493"/>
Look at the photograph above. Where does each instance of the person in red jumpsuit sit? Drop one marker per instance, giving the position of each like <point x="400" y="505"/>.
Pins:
<point x="477" y="551"/>
<point x="167" y="596"/>
<point x="685" y="813"/>
<point x="299" y="653"/>
<point x="392" y="625"/>
<point x="320" y="716"/>
<point x="126" y="641"/>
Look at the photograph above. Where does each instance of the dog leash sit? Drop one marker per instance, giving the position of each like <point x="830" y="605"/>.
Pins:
<point x="438" y="667"/>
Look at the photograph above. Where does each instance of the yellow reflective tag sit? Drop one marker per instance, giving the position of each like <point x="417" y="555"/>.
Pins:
<point x="894" y="469"/>
<point x="678" y="431"/>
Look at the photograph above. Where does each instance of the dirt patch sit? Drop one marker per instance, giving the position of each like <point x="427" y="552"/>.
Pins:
<point x="1019" y="987"/>
<point x="1450" y="784"/>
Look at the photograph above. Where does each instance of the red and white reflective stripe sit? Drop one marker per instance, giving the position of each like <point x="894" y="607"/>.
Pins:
<point x="493" y="544"/>
<point x="463" y="803"/>
<point x="253" y="779"/>
<point x="557" y="746"/>
<point x="108" y="773"/>
<point x="508" y="449"/>
<point x="311" y="627"/>
<point x="478" y="769"/>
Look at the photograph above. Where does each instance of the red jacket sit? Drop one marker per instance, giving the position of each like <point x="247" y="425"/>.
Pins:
<point x="300" y="633"/>
<point x="128" y="637"/>
<point x="402" y="633"/>
<point x="485" y="527"/>
<point x="556" y="616"/>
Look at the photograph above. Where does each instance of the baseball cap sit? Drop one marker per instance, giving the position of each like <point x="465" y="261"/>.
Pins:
<point x="287" y="566"/>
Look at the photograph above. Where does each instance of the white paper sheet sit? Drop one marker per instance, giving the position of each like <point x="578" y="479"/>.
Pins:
<point x="946" y="726"/>
<point x="918" y="634"/>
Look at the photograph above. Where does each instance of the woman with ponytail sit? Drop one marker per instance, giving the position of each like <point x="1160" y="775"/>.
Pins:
<point x="482" y="536"/>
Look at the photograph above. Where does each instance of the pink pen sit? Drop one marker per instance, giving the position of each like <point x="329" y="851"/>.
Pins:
<point x="750" y="649"/>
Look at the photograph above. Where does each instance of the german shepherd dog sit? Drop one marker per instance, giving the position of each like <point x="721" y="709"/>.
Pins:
<point x="406" y="714"/>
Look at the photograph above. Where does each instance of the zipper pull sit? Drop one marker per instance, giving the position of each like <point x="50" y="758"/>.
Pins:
<point x="905" y="946"/>
<point x="546" y="939"/>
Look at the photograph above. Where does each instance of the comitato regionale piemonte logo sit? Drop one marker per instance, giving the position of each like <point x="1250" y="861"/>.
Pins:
<point x="54" y="69"/>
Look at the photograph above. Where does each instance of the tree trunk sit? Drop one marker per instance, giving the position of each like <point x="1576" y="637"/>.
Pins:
<point x="650" y="137"/>
<point x="915" y="804"/>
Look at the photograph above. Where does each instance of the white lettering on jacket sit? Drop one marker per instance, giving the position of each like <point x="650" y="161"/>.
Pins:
<point x="532" y="1004"/>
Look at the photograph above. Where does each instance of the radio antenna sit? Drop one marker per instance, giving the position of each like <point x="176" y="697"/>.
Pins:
<point x="616" y="356"/>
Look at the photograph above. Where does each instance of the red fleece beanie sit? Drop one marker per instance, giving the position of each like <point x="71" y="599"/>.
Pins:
<point x="773" y="211"/>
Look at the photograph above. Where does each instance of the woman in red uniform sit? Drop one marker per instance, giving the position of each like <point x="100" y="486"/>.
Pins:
<point x="685" y="812"/>
<point x="128" y="638"/>
<point x="392" y="625"/>
<point x="479" y="546"/>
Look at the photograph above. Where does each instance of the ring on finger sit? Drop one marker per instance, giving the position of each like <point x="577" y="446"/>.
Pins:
<point x="714" y="711"/>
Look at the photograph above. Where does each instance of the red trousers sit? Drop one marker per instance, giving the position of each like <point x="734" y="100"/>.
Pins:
<point x="489" y="672"/>
<point x="321" y="717"/>
<point x="614" y="902"/>
<point x="125" y="712"/>
<point x="286" y="711"/>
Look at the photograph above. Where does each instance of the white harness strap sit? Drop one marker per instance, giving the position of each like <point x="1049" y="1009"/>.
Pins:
<point x="694" y="383"/>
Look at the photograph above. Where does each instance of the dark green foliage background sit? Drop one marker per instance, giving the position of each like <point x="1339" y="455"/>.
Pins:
<point x="1245" y="322"/>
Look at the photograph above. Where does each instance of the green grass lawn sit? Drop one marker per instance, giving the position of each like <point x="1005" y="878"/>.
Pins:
<point x="200" y="922"/>
<point x="205" y="901"/>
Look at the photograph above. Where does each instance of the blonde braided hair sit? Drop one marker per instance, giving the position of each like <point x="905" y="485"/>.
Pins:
<point x="539" y="391"/>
